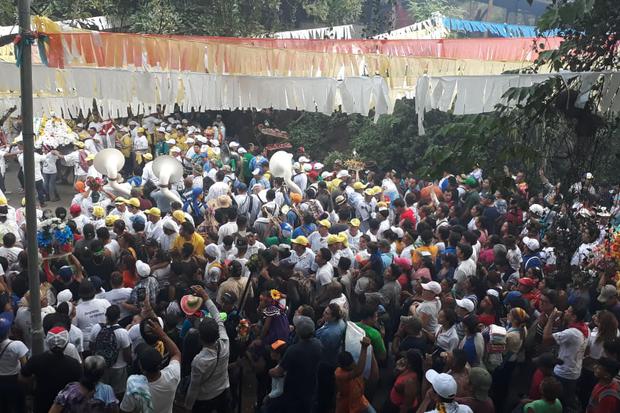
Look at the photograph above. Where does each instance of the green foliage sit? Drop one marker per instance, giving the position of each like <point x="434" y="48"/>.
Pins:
<point x="334" y="12"/>
<point x="423" y="9"/>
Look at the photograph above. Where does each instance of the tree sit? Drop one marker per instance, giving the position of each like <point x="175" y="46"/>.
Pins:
<point x="423" y="9"/>
<point x="334" y="12"/>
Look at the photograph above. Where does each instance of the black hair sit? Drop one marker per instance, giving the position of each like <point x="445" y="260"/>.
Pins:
<point x="113" y="313"/>
<point x="306" y="310"/>
<point x="367" y="311"/>
<point x="326" y="254"/>
<point x="209" y="331"/>
<point x="466" y="249"/>
<point x="103" y="233"/>
<point x="9" y="239"/>
<point x="450" y="315"/>
<point x="94" y="367"/>
<point x="344" y="263"/>
<point x="345" y="360"/>
<point x="86" y="290"/>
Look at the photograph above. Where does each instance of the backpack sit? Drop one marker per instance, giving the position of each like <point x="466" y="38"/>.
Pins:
<point x="105" y="344"/>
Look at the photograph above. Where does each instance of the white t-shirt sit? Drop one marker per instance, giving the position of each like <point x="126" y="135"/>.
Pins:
<point x="10" y="253"/>
<point x="3" y="162"/>
<point x="572" y="347"/>
<point x="114" y="249"/>
<point x="38" y="158"/>
<point x="73" y="159"/>
<point x="162" y="390"/>
<point x="228" y="228"/>
<point x="89" y="313"/>
<point x="447" y="340"/>
<point x="49" y="164"/>
<point x="9" y="362"/>
<point x="453" y="407"/>
<point x="122" y="342"/>
<point x="325" y="274"/>
<point x="117" y="296"/>
<point x="141" y="143"/>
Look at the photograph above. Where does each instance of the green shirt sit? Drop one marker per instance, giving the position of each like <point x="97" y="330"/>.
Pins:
<point x="375" y="339"/>
<point x="542" y="406"/>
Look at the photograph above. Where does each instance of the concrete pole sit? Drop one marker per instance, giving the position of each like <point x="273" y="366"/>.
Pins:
<point x="29" y="181"/>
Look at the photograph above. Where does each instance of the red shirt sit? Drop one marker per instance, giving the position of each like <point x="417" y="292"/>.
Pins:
<point x="408" y="215"/>
<point x="535" y="386"/>
<point x="605" y="398"/>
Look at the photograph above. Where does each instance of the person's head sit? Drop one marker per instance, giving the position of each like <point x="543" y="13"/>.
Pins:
<point x="57" y="339"/>
<point x="116" y="279"/>
<point x="443" y="385"/>
<point x="369" y="313"/>
<point x="86" y="290"/>
<point x="606" y="369"/>
<point x="548" y="300"/>
<point x="304" y="327"/>
<point x="323" y="257"/>
<point x="463" y="251"/>
<point x="93" y="369"/>
<point x="607" y="324"/>
<point x="550" y="389"/>
<point x="459" y="359"/>
<point x="9" y="239"/>
<point x="346" y="361"/>
<point x="471" y="324"/>
<point x="576" y="313"/>
<point x="517" y="317"/>
<point x="546" y="362"/>
<point x="88" y="231"/>
<point x="447" y="317"/>
<point x="186" y="230"/>
<point x="332" y="313"/>
<point x="209" y="331"/>
<point x="480" y="381"/>
<point x="112" y="314"/>
<point x="278" y="348"/>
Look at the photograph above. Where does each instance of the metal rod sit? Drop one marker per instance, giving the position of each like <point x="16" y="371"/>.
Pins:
<point x="25" y="74"/>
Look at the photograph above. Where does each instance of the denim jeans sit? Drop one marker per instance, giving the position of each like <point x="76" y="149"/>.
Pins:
<point x="50" y="185"/>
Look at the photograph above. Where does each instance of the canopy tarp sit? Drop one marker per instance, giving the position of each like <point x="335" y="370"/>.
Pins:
<point x="468" y="95"/>
<point x="115" y="90"/>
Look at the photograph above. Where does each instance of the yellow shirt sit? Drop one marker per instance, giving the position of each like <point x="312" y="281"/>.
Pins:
<point x="416" y="256"/>
<point x="126" y="144"/>
<point x="197" y="241"/>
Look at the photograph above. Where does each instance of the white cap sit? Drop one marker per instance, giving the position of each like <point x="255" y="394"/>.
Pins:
<point x="233" y="144"/>
<point x="537" y="209"/>
<point x="493" y="292"/>
<point x="161" y="129"/>
<point x="398" y="231"/>
<point x="589" y="175"/>
<point x="179" y="126"/>
<point x="64" y="296"/>
<point x="242" y="150"/>
<point x="466" y="304"/>
<point x="256" y="171"/>
<point x="214" y="142"/>
<point x="342" y="173"/>
<point x="175" y="149"/>
<point x="326" y="174"/>
<point x="170" y="224"/>
<point x="307" y="167"/>
<point x="318" y="166"/>
<point x="168" y="128"/>
<point x="171" y="142"/>
<point x="212" y="250"/>
<point x="201" y="139"/>
<point x="443" y="384"/>
<point x="189" y="140"/>
<point x="531" y="243"/>
<point x="303" y="159"/>
<point x="433" y="286"/>
<point x="143" y="269"/>
<point x="296" y="166"/>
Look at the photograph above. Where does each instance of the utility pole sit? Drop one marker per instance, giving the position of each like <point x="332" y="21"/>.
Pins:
<point x="25" y="77"/>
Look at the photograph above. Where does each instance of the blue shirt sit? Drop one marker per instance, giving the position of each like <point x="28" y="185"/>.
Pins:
<point x="331" y="337"/>
<point x="305" y="230"/>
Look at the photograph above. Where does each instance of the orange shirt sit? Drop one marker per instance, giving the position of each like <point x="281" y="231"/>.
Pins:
<point x="350" y="392"/>
<point x="417" y="258"/>
<point x="129" y="279"/>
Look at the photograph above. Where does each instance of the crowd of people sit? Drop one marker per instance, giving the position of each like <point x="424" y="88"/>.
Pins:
<point x="359" y="291"/>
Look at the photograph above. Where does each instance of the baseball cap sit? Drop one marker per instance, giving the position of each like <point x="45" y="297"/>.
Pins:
<point x="443" y="384"/>
<point x="6" y="320"/>
<point x="355" y="222"/>
<point x="179" y="216"/>
<point x="301" y="240"/>
<point x="358" y="185"/>
<point x="531" y="243"/>
<point x="467" y="304"/>
<point x="75" y="209"/>
<point x="57" y="337"/>
<point x="66" y="294"/>
<point x="332" y="239"/>
<point x="324" y="223"/>
<point x="480" y="380"/>
<point x="135" y="202"/>
<point x="435" y="287"/>
<point x="512" y="297"/>
<point x="143" y="269"/>
<point x="608" y="291"/>
<point x="170" y="225"/>
<point x="153" y="211"/>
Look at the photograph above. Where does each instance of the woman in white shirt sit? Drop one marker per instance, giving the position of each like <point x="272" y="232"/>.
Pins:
<point x="446" y="337"/>
<point x="12" y="358"/>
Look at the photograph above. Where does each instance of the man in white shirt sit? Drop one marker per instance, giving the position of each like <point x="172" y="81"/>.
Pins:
<point x="8" y="249"/>
<point x="219" y="187"/>
<point x="147" y="172"/>
<point x="90" y="143"/>
<point x="49" y="175"/>
<point x="228" y="228"/>
<point x="466" y="268"/>
<point x="118" y="295"/>
<point x="318" y="239"/>
<point x="325" y="271"/>
<point x="77" y="159"/>
<point x="140" y="143"/>
<point x="573" y="342"/>
<point x="38" y="175"/>
<point x="443" y="390"/>
<point x="254" y="246"/>
<point x="92" y="171"/>
<point x="89" y="311"/>
<point x="301" y="255"/>
<point x="154" y="227"/>
<point x="162" y="382"/>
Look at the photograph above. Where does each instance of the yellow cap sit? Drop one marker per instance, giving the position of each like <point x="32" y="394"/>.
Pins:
<point x="179" y="216"/>
<point x="79" y="144"/>
<point x="343" y="238"/>
<point x="110" y="220"/>
<point x="135" y="202"/>
<point x="120" y="200"/>
<point x="90" y="157"/>
<point x="140" y="130"/>
<point x="3" y="201"/>
<point x="369" y="192"/>
<point x="153" y="211"/>
<point x="147" y="156"/>
<point x="332" y="239"/>
<point x="98" y="211"/>
<point x="325" y="223"/>
<point x="355" y="222"/>
<point x="301" y="240"/>
<point x="376" y="190"/>
<point x="358" y="185"/>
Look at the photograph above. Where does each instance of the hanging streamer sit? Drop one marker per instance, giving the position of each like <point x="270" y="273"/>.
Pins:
<point x="20" y="41"/>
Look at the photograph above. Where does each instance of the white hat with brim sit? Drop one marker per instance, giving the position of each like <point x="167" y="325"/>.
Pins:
<point x="443" y="384"/>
